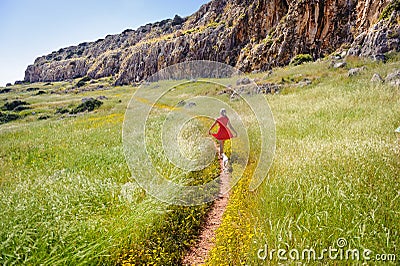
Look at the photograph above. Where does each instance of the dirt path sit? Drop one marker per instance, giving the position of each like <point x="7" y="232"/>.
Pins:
<point x="198" y="253"/>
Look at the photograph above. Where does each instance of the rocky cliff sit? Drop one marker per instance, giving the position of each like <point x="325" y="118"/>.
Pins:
<point x="249" y="34"/>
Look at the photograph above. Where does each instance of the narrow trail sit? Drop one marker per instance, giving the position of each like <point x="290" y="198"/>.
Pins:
<point x="198" y="253"/>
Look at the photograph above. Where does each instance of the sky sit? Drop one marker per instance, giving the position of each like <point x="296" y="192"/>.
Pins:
<point x="32" y="28"/>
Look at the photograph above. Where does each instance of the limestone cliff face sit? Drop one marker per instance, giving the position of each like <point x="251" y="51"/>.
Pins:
<point x="315" y="27"/>
<point x="249" y="34"/>
<point x="379" y="39"/>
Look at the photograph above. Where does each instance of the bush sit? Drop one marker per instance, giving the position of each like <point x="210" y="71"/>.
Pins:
<point x="7" y="90"/>
<point x="300" y="59"/>
<point x="21" y="108"/>
<point x="43" y="117"/>
<point x="32" y="89"/>
<point x="10" y="106"/>
<point x="177" y="20"/>
<point x="387" y="12"/>
<point x="89" y="106"/>
<point x="83" y="81"/>
<point x="62" y="110"/>
<point x="392" y="56"/>
<point x="7" y="117"/>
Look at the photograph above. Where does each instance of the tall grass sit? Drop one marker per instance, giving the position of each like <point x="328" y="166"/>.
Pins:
<point x="60" y="190"/>
<point x="67" y="196"/>
<point x="335" y="173"/>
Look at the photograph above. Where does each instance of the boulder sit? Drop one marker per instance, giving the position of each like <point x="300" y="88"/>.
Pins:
<point x="87" y="99"/>
<point x="190" y="105"/>
<point x="268" y="88"/>
<point x="393" y="78"/>
<point x="305" y="82"/>
<point x="339" y="65"/>
<point x="377" y="78"/>
<point x="101" y="97"/>
<point x="243" y="81"/>
<point x="355" y="71"/>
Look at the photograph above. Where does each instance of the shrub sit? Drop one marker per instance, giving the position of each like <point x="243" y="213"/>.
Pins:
<point x="20" y="108"/>
<point x="62" y="110"/>
<point x="300" y="59"/>
<point x="83" y="81"/>
<point x="162" y="22"/>
<point x="32" y="89"/>
<point x="392" y="56"/>
<point x="7" y="117"/>
<point x="177" y="20"/>
<point x="268" y="41"/>
<point x="124" y="32"/>
<point x="10" y="106"/>
<point x="6" y="90"/>
<point x="43" y="117"/>
<point x="393" y="6"/>
<point x="89" y="106"/>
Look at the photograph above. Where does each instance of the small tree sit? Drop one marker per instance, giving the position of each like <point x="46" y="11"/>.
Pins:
<point x="177" y="20"/>
<point x="300" y="59"/>
<point x="83" y="81"/>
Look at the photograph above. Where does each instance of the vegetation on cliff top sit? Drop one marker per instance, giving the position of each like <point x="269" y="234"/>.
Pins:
<point x="387" y="12"/>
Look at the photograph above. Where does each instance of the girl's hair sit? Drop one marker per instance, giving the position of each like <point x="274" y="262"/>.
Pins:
<point x="222" y="111"/>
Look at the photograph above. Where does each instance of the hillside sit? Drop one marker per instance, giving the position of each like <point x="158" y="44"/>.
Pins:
<point x="251" y="35"/>
<point x="68" y="197"/>
<point x="314" y="167"/>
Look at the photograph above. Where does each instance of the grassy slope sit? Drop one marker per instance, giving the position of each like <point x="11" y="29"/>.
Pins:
<point x="55" y="208"/>
<point x="66" y="192"/>
<point x="335" y="173"/>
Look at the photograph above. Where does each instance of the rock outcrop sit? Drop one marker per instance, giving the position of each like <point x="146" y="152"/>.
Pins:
<point x="249" y="34"/>
<point x="379" y="39"/>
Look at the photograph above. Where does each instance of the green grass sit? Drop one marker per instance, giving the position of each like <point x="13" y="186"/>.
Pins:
<point x="387" y="12"/>
<point x="335" y="173"/>
<point x="60" y="181"/>
<point x="67" y="195"/>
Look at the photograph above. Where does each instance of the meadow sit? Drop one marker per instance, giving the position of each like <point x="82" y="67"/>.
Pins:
<point x="68" y="196"/>
<point x="334" y="181"/>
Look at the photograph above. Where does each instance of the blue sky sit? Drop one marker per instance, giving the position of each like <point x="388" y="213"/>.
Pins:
<point x="31" y="28"/>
